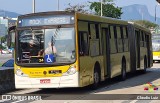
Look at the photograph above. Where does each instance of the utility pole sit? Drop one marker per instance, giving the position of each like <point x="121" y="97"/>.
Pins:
<point x="101" y="8"/>
<point x="156" y="12"/>
<point x="58" y="5"/>
<point x="33" y="6"/>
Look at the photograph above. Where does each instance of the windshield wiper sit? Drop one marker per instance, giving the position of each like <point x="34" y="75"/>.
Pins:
<point x="53" y="39"/>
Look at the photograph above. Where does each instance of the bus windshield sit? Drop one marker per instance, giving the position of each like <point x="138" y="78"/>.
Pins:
<point x="156" y="42"/>
<point x="46" y="46"/>
<point x="156" y="45"/>
<point x="156" y="36"/>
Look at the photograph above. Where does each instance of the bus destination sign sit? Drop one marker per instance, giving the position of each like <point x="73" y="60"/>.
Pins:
<point x="46" y="20"/>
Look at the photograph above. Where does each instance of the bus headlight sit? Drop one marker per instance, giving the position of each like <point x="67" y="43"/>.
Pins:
<point x="20" y="73"/>
<point x="71" y="71"/>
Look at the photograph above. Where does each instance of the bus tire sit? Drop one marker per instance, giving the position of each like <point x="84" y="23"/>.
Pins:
<point x="96" y="77"/>
<point x="153" y="61"/>
<point x="145" y="65"/>
<point x="123" y="71"/>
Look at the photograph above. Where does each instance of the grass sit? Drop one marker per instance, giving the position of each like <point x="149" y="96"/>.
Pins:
<point x="0" y="64"/>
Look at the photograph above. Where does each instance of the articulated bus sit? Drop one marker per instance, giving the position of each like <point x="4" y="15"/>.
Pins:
<point x="89" y="49"/>
<point x="156" y="47"/>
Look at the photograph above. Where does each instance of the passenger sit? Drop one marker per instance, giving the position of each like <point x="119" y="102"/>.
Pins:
<point x="32" y="48"/>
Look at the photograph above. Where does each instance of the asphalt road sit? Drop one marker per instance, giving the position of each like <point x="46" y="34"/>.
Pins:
<point x="5" y="57"/>
<point x="110" y="91"/>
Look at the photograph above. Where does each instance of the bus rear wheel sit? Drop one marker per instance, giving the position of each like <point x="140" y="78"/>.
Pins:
<point x="153" y="61"/>
<point x="123" y="72"/>
<point x="145" y="66"/>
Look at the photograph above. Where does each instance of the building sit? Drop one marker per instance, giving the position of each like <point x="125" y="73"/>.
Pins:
<point x="5" y="23"/>
<point x="2" y="30"/>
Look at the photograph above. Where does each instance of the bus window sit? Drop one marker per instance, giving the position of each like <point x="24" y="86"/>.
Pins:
<point x="142" y="36"/>
<point x="30" y="42"/>
<point x="125" y="33"/>
<point x="94" y="31"/>
<point x="115" y="32"/>
<point x="64" y="42"/>
<point x="111" y="32"/>
<point x="145" y="40"/>
<point x="121" y="31"/>
<point x="83" y="43"/>
<point x="141" y="39"/>
<point x="97" y="31"/>
<point x="119" y="40"/>
<point x="115" y="37"/>
<point x="118" y="33"/>
<point x="125" y="39"/>
<point x="113" y="48"/>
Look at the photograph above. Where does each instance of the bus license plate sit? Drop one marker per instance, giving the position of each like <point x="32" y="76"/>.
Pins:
<point x="44" y="81"/>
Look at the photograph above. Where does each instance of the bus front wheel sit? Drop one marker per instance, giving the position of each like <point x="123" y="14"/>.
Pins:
<point x="96" y="77"/>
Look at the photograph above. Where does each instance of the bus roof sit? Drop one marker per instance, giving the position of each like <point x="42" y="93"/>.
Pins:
<point x="95" y="18"/>
<point x="137" y="26"/>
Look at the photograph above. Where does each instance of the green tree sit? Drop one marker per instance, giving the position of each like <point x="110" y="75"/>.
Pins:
<point x="2" y="47"/>
<point x="77" y="8"/>
<point x="108" y="9"/>
<point x="3" y="39"/>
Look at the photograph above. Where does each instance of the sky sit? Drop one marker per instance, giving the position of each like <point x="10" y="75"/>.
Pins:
<point x="25" y="6"/>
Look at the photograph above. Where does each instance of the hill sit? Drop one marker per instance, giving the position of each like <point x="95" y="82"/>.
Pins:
<point x="4" y="13"/>
<point x="137" y="12"/>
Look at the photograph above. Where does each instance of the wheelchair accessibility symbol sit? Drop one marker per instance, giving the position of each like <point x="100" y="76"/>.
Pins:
<point x="49" y="58"/>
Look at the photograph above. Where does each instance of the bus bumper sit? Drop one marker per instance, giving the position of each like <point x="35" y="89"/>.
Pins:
<point x="48" y="82"/>
<point x="156" y="57"/>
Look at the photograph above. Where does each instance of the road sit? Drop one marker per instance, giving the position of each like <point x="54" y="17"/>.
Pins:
<point x="4" y="57"/>
<point x="107" y="92"/>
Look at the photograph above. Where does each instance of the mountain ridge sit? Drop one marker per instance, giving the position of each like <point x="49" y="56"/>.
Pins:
<point x="138" y="12"/>
<point x="10" y="14"/>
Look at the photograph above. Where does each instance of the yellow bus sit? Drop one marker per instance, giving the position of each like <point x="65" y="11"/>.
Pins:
<point x="156" y="47"/>
<point x="142" y="44"/>
<point x="67" y="49"/>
